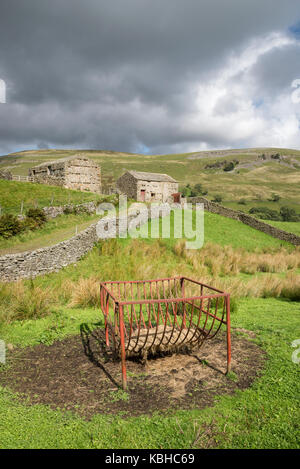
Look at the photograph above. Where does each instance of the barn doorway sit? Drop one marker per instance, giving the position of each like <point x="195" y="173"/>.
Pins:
<point x="176" y="197"/>
<point x="143" y="194"/>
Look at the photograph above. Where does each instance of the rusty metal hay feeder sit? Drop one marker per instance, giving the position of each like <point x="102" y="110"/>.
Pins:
<point x="145" y="317"/>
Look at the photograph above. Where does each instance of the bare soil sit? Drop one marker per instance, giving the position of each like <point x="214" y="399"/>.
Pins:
<point x="79" y="374"/>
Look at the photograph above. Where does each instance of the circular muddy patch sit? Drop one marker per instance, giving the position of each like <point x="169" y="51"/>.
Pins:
<point x="79" y="374"/>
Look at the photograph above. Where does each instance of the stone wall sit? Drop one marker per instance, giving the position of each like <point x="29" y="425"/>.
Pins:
<point x="247" y="220"/>
<point x="4" y="174"/>
<point x="53" y="212"/>
<point x="30" y="264"/>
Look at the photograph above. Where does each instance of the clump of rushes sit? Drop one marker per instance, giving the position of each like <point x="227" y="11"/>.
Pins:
<point x="22" y="301"/>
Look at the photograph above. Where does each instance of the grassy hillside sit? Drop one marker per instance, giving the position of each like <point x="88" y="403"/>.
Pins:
<point x="253" y="179"/>
<point x="225" y="232"/>
<point x="13" y="194"/>
<point x="292" y="227"/>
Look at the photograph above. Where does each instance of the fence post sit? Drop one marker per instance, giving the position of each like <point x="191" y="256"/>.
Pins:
<point x="123" y="354"/>
<point x="228" y="334"/>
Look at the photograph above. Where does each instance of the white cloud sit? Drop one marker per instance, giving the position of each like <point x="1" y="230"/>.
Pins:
<point x="2" y="92"/>
<point x="226" y="106"/>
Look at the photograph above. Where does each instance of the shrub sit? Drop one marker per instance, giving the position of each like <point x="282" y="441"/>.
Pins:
<point x="197" y="189"/>
<point x="218" y="198"/>
<point x="10" y="226"/>
<point x="265" y="213"/>
<point x="68" y="210"/>
<point x="285" y="214"/>
<point x="38" y="215"/>
<point x="187" y="191"/>
<point x="194" y="191"/>
<point x="289" y="214"/>
<point x="275" y="198"/>
<point x="229" y="166"/>
<point x="242" y="202"/>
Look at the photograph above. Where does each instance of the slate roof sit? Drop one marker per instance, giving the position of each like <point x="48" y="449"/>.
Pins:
<point x="157" y="177"/>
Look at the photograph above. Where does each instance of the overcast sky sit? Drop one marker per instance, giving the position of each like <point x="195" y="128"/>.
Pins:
<point x="151" y="76"/>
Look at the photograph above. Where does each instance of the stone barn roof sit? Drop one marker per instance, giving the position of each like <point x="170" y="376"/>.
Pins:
<point x="157" y="177"/>
<point x="62" y="160"/>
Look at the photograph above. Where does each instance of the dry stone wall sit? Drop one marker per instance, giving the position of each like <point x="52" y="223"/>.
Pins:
<point x="5" y="175"/>
<point x="53" y="212"/>
<point x="50" y="259"/>
<point x="30" y="264"/>
<point x="247" y="220"/>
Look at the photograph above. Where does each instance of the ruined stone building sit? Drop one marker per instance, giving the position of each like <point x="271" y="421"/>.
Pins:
<point x="74" y="172"/>
<point x="148" y="187"/>
<point x="4" y="174"/>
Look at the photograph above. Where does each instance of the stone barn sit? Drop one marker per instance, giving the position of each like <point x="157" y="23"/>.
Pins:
<point x="74" y="172"/>
<point x="147" y="187"/>
<point x="4" y="174"/>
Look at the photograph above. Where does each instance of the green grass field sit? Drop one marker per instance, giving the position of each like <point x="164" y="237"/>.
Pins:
<point x="264" y="416"/>
<point x="14" y="195"/>
<point x="291" y="227"/>
<point x="224" y="232"/>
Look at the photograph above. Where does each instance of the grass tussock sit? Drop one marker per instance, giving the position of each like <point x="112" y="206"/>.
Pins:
<point x="221" y="267"/>
<point x="21" y="300"/>
<point x="85" y="293"/>
<point x="226" y="261"/>
<point x="268" y="286"/>
<point x="212" y="265"/>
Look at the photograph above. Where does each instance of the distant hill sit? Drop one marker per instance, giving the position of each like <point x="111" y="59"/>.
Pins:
<point x="257" y="173"/>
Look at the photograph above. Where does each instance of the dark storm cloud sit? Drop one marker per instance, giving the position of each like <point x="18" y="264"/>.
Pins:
<point x="123" y="74"/>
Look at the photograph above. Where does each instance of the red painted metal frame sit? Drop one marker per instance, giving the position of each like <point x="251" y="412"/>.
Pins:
<point x="164" y="298"/>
